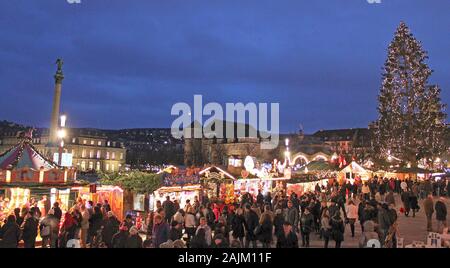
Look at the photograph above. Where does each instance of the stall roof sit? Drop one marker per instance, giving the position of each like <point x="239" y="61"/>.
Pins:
<point x="25" y="155"/>
<point x="217" y="169"/>
<point x="416" y="170"/>
<point x="355" y="168"/>
<point x="318" y="166"/>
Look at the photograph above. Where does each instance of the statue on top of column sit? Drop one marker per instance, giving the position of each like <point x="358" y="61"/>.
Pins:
<point x="59" y="76"/>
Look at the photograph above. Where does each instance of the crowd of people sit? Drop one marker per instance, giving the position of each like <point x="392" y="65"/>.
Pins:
<point x="263" y="220"/>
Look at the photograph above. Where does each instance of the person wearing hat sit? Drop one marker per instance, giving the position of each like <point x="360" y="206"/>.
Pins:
<point x="119" y="240"/>
<point x="441" y="214"/>
<point x="288" y="238"/>
<point x="134" y="240"/>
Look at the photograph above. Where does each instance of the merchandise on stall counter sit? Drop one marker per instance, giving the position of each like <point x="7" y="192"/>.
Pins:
<point x="177" y="193"/>
<point x="300" y="188"/>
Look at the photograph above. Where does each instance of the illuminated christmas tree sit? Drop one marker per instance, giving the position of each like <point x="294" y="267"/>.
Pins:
<point x="411" y="122"/>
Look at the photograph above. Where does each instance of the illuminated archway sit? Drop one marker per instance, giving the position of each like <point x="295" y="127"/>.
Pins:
<point x="320" y="157"/>
<point x="300" y="159"/>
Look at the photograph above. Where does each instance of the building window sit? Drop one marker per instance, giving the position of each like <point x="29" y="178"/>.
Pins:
<point x="91" y="154"/>
<point x="121" y="156"/>
<point x="83" y="153"/>
<point x="112" y="167"/>
<point x="107" y="167"/>
<point x="99" y="154"/>
<point x="92" y="142"/>
<point x="73" y="153"/>
<point x="99" y="143"/>
<point x="97" y="166"/>
<point x="91" y="165"/>
<point x="107" y="155"/>
<point x="113" y="155"/>
<point x="83" y="165"/>
<point x="84" y="141"/>
<point x="109" y="143"/>
<point x="74" y="140"/>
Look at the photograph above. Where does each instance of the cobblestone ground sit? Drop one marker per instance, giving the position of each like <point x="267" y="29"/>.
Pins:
<point x="411" y="229"/>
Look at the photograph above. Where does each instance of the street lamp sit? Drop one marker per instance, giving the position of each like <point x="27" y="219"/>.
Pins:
<point x="61" y="136"/>
<point x="63" y="120"/>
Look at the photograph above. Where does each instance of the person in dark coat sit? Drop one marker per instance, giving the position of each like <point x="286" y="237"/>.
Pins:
<point x="251" y="222"/>
<point x="441" y="213"/>
<point x="306" y="226"/>
<point x="49" y="226"/>
<point x="223" y="228"/>
<point x="128" y="221"/>
<point x="176" y="232"/>
<point x="119" y="240"/>
<point x="219" y="241"/>
<point x="238" y="226"/>
<point x="10" y="233"/>
<point x="106" y="206"/>
<point x="47" y="204"/>
<point x="406" y="204"/>
<point x="30" y="231"/>
<point x="111" y="227"/>
<point x="19" y="218"/>
<point x="169" y="209"/>
<point x="57" y="211"/>
<point x="134" y="240"/>
<point x="361" y="214"/>
<point x="337" y="229"/>
<point x="260" y="199"/>
<point x="278" y="222"/>
<point x="199" y="240"/>
<point x="265" y="231"/>
<point x="268" y="199"/>
<point x="288" y="239"/>
<point x="384" y="221"/>
<point x="292" y="215"/>
<point x="160" y="232"/>
<point x="413" y="204"/>
<point x="95" y="223"/>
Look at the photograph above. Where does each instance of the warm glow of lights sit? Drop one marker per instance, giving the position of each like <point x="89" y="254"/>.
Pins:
<point x="63" y="120"/>
<point x="61" y="133"/>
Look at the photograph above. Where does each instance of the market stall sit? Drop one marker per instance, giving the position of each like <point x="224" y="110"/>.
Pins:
<point x="264" y="177"/>
<point x="114" y="195"/>
<point x="218" y="183"/>
<point x="414" y="173"/>
<point x="26" y="177"/>
<point x="180" y="185"/>
<point x="304" y="186"/>
<point x="353" y="171"/>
